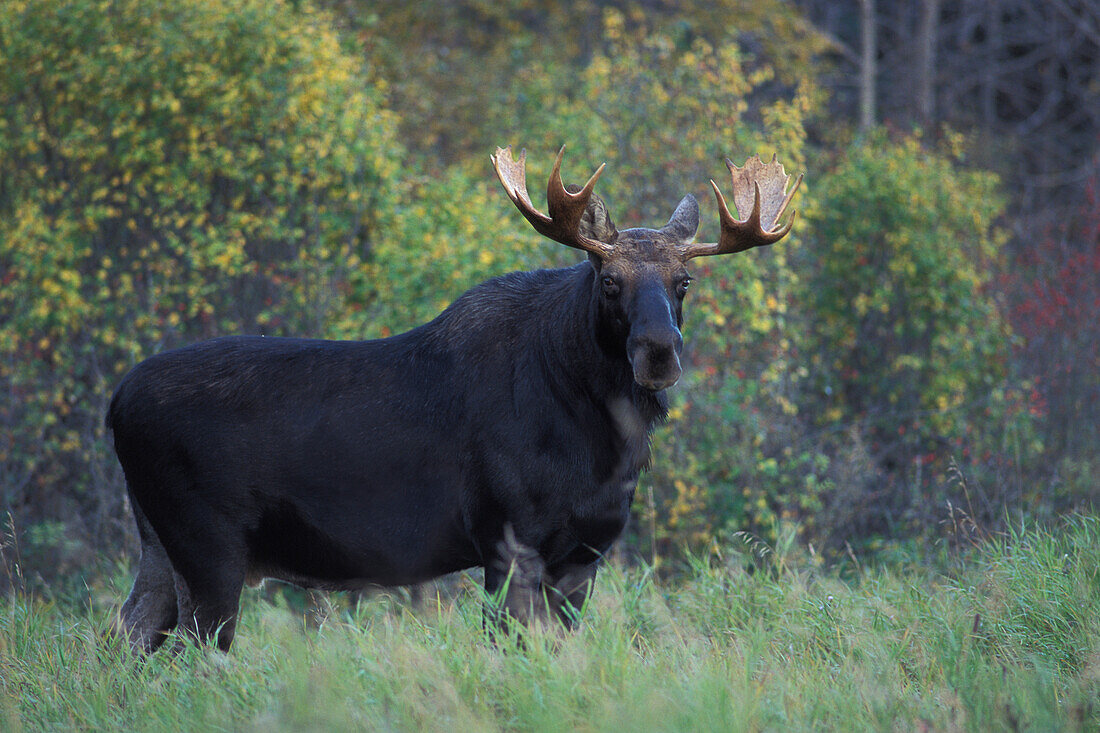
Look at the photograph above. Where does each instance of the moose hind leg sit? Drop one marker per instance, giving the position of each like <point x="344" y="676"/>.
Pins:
<point x="209" y="599"/>
<point x="149" y="613"/>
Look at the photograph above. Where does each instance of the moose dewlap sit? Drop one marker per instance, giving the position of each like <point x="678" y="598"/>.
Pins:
<point x="507" y="433"/>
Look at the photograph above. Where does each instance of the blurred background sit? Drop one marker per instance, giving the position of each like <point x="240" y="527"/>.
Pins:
<point x="917" y="362"/>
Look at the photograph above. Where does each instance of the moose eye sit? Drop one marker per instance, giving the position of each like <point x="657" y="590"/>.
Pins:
<point x="684" y="286"/>
<point x="610" y="287"/>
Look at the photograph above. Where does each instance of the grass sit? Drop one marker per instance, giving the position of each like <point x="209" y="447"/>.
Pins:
<point x="1007" y="640"/>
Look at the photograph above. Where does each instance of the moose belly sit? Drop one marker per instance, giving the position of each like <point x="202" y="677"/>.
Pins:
<point x="370" y="543"/>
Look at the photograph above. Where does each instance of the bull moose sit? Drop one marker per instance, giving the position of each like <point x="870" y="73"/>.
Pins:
<point x="508" y="433"/>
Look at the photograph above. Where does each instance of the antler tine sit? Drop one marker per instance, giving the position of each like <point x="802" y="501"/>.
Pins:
<point x="566" y="209"/>
<point x="560" y="199"/>
<point x="767" y="184"/>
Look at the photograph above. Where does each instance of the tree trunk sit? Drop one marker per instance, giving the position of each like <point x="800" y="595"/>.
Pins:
<point x="927" y="31"/>
<point x="867" y="69"/>
<point x="992" y="55"/>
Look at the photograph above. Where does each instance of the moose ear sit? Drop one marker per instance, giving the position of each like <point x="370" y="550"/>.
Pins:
<point x="595" y="221"/>
<point x="684" y="221"/>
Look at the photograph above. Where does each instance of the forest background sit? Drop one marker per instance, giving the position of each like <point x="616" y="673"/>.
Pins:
<point x="922" y="352"/>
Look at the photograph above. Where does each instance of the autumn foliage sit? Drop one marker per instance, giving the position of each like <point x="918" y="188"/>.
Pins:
<point x="1054" y="286"/>
<point x="171" y="171"/>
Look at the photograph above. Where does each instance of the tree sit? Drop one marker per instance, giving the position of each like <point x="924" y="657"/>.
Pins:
<point x="1020" y="72"/>
<point x="459" y="72"/>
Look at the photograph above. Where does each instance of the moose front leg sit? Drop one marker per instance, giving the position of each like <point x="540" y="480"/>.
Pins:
<point x="522" y="589"/>
<point x="567" y="587"/>
<point x="514" y="584"/>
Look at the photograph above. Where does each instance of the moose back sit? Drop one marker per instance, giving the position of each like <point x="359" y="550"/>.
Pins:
<point x="507" y="433"/>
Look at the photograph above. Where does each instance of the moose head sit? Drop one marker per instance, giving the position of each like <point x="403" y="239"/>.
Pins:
<point x="641" y="274"/>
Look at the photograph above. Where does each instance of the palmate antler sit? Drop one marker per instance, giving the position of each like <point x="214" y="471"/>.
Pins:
<point x="765" y="185"/>
<point x="566" y="208"/>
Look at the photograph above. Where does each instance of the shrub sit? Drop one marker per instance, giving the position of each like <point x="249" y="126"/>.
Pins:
<point x="1055" y="284"/>
<point x="168" y="171"/>
<point x="905" y="344"/>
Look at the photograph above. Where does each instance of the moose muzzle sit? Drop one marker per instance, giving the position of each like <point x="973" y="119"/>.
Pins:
<point x="656" y="362"/>
<point x="654" y="345"/>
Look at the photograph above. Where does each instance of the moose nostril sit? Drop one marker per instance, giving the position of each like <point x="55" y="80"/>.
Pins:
<point x="661" y="354"/>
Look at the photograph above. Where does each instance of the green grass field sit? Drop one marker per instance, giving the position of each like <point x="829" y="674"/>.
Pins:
<point x="1007" y="639"/>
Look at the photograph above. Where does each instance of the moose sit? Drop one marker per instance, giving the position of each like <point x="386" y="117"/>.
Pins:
<point x="507" y="433"/>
